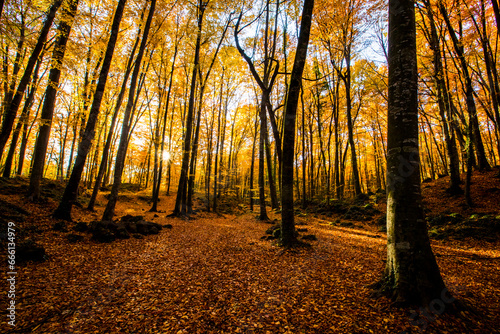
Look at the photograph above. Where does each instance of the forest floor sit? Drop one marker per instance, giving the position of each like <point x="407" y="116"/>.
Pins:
<point x="216" y="274"/>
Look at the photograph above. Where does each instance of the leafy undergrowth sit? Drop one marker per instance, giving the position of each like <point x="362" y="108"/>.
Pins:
<point x="214" y="274"/>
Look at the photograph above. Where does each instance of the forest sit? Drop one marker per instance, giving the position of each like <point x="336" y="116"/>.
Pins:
<point x="282" y="166"/>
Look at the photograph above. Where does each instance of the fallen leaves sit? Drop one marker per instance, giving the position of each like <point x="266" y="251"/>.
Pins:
<point x="215" y="275"/>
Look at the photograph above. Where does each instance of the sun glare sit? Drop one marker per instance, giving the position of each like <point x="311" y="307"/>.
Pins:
<point x="166" y="156"/>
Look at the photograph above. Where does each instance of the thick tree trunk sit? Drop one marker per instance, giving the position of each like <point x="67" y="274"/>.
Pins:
<point x="411" y="273"/>
<point x="63" y="211"/>
<point x="42" y="141"/>
<point x="288" y="237"/>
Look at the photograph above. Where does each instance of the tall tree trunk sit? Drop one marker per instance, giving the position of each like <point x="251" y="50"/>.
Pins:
<point x="192" y="167"/>
<point x="288" y="237"/>
<point x="106" y="154"/>
<point x="42" y="141"/>
<point x="181" y="200"/>
<point x="469" y="90"/>
<point x="23" y="119"/>
<point x="444" y="106"/>
<point x="156" y="192"/>
<point x="109" y="212"/>
<point x="492" y="73"/>
<point x="350" y="126"/>
<point x="252" y="163"/>
<point x="69" y="197"/>
<point x="304" y="155"/>
<point x="270" y="175"/>
<point x="411" y="273"/>
<point x="10" y="111"/>
<point x="262" y="195"/>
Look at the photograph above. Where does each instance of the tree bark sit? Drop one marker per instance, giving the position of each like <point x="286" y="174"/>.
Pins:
<point x="469" y="91"/>
<point x="156" y="192"/>
<point x="10" y="110"/>
<point x="288" y="236"/>
<point x="411" y="273"/>
<point x="69" y="197"/>
<point x="23" y="119"/>
<point x="181" y="200"/>
<point x="109" y="212"/>
<point x="42" y="141"/>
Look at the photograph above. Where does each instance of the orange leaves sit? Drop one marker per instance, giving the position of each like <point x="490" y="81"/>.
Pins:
<point x="215" y="275"/>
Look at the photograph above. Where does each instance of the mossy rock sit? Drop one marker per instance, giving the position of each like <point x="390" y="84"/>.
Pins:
<point x="271" y="229"/>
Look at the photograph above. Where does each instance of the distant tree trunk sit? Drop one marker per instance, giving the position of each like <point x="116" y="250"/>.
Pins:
<point x="23" y="119"/>
<point x="411" y="274"/>
<point x="194" y="153"/>
<point x="27" y="127"/>
<point x="444" y="105"/>
<point x="156" y="192"/>
<point x="69" y="197"/>
<point x="262" y="196"/>
<point x="304" y="156"/>
<point x="121" y="154"/>
<point x="181" y="200"/>
<point x="469" y="163"/>
<point x="106" y="153"/>
<point x="288" y="237"/>
<point x="270" y="176"/>
<point x="17" y="61"/>
<point x="492" y="73"/>
<point x="252" y="163"/>
<point x="42" y="141"/>
<point x="469" y="91"/>
<point x="218" y="142"/>
<point x="350" y="126"/>
<point x="10" y="111"/>
<point x="208" y="173"/>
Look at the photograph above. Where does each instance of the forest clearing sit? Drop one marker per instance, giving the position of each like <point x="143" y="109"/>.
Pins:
<point x="215" y="273"/>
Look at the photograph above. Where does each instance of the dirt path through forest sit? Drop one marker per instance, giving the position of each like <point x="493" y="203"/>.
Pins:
<point x="214" y="274"/>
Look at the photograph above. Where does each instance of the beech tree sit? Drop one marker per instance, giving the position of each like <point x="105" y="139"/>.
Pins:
<point x="109" y="212"/>
<point x="10" y="110"/>
<point x="411" y="273"/>
<point x="288" y="237"/>
<point x="63" y="211"/>
<point x="181" y="201"/>
<point x="42" y="141"/>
